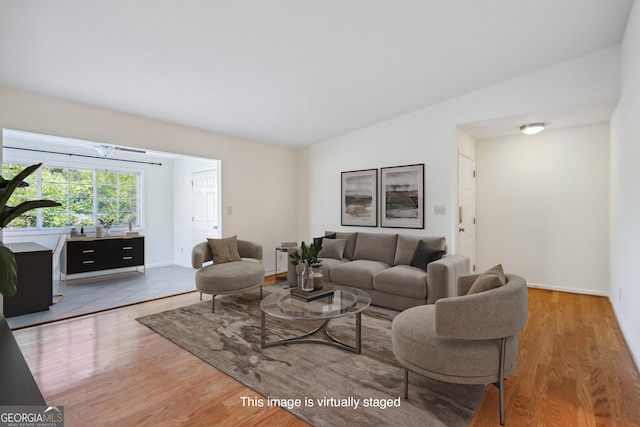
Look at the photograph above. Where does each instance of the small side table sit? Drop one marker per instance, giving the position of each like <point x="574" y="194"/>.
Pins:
<point x="284" y="249"/>
<point x="34" y="279"/>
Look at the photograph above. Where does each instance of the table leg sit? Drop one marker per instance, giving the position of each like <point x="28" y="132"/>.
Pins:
<point x="358" y="331"/>
<point x="263" y="339"/>
<point x="304" y="338"/>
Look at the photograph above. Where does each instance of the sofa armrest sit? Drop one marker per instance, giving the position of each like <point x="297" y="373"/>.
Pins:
<point x="248" y="249"/>
<point x="442" y="276"/>
<point x="200" y="254"/>
<point x="292" y="276"/>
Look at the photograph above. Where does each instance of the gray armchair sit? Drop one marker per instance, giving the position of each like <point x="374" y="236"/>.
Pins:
<point x="468" y="339"/>
<point x="228" y="277"/>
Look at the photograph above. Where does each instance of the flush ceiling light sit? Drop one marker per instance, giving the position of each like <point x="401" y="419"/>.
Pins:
<point x="532" y="128"/>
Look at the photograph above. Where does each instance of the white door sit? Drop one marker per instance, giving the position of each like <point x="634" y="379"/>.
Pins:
<point x="467" y="208"/>
<point x="206" y="206"/>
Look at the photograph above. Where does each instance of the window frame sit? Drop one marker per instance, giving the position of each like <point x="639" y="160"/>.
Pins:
<point x="94" y="169"/>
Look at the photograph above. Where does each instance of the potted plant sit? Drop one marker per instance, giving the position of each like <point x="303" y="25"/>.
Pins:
<point x="8" y="266"/>
<point x="106" y="223"/>
<point x="308" y="256"/>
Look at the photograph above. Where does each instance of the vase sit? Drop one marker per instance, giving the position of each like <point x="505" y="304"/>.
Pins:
<point x="106" y="232"/>
<point x="318" y="279"/>
<point x="307" y="279"/>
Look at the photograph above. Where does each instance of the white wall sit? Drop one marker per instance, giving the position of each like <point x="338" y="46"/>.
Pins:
<point x="258" y="180"/>
<point x="625" y="198"/>
<point x="158" y="215"/>
<point x="543" y="204"/>
<point x="429" y="136"/>
<point x="466" y="144"/>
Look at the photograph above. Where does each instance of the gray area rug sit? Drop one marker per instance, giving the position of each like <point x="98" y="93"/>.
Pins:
<point x="323" y="385"/>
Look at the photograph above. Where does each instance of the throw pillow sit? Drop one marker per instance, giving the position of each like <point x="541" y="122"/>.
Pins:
<point x="498" y="271"/>
<point x="333" y="248"/>
<point x="425" y="254"/>
<point x="491" y="279"/>
<point x="318" y="240"/>
<point x="224" y="250"/>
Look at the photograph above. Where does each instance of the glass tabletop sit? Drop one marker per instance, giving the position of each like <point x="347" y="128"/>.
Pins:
<point x="341" y="302"/>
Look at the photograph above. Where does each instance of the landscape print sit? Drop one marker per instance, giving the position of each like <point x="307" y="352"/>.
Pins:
<point x="359" y="198"/>
<point x="403" y="192"/>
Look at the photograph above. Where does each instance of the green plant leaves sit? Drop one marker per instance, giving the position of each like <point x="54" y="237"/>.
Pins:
<point x="8" y="266"/>
<point x="9" y="213"/>
<point x="8" y="272"/>
<point x="307" y="255"/>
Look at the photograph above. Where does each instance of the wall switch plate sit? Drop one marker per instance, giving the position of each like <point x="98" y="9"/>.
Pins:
<point x="439" y="210"/>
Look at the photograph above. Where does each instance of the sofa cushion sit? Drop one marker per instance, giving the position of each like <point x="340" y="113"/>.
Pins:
<point x="407" y="245"/>
<point x="357" y="274"/>
<point x="491" y="279"/>
<point x="224" y="250"/>
<point x="229" y="277"/>
<point x="333" y="248"/>
<point x="351" y="241"/>
<point x="376" y="247"/>
<point x="425" y="254"/>
<point x="402" y="280"/>
<point x="318" y="240"/>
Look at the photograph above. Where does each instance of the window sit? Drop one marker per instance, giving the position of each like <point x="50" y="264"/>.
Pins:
<point x="85" y="196"/>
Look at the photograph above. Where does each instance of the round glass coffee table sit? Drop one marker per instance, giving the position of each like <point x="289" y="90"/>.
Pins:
<point x="341" y="302"/>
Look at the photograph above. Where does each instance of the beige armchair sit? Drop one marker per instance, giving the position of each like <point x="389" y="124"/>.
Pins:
<point x="468" y="339"/>
<point x="228" y="277"/>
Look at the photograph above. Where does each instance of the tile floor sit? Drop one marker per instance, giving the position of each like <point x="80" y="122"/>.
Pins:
<point x="96" y="296"/>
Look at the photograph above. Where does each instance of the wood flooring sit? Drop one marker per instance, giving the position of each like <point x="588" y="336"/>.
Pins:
<point x="574" y="369"/>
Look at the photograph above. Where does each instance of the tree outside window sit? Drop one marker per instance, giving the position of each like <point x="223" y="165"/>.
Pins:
<point x="84" y="195"/>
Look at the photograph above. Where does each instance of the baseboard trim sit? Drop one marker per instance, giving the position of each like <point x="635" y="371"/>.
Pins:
<point x="635" y="360"/>
<point x="567" y="289"/>
<point x="162" y="264"/>
<point x="179" y="264"/>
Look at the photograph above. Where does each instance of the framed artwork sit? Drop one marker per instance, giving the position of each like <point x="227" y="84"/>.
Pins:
<point x="360" y="198"/>
<point x="402" y="193"/>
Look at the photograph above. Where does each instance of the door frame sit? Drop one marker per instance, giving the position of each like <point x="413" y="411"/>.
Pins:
<point x="474" y="237"/>
<point x="218" y="201"/>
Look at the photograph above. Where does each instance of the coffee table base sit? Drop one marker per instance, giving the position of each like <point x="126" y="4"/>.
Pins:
<point x="303" y="339"/>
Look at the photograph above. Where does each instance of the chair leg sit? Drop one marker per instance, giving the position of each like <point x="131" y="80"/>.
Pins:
<point x="406" y="383"/>
<point x="502" y="360"/>
<point x="260" y="292"/>
<point x="200" y="296"/>
<point x="500" y="382"/>
<point x="213" y="304"/>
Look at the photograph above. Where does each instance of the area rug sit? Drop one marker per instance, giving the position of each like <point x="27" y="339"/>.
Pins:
<point x="323" y="385"/>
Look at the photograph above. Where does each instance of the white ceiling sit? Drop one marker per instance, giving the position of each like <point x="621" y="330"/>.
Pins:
<point x="289" y="72"/>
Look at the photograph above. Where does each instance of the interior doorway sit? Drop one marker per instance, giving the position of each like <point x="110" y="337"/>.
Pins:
<point x="467" y="208"/>
<point x="206" y="205"/>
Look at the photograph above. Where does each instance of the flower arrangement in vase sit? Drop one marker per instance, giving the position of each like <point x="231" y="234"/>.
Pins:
<point x="106" y="223"/>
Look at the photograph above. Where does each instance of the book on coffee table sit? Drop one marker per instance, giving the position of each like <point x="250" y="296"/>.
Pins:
<point x="311" y="295"/>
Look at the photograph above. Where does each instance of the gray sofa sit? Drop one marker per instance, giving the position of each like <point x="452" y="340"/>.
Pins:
<point x="380" y="264"/>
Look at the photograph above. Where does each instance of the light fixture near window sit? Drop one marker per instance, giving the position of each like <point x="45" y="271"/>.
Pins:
<point x="532" y="128"/>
